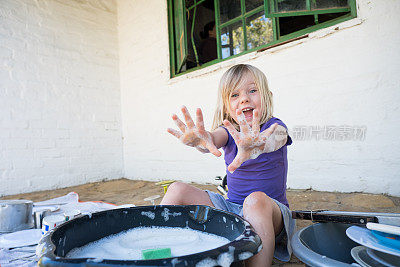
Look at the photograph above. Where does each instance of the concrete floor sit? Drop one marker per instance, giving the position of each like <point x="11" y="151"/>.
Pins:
<point x="124" y="191"/>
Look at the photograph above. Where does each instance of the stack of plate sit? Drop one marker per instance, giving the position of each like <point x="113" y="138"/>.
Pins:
<point x="380" y="244"/>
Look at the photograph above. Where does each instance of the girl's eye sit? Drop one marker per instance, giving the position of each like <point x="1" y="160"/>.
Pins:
<point x="253" y="90"/>
<point x="234" y="95"/>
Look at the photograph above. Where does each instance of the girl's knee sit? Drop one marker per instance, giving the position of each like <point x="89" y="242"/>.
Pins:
<point x="176" y="188"/>
<point x="175" y="194"/>
<point x="260" y="209"/>
<point x="259" y="201"/>
<point x="179" y="193"/>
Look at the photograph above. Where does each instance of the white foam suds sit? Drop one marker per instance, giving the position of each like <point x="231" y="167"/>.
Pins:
<point x="245" y="255"/>
<point x="255" y="152"/>
<point x="128" y="245"/>
<point x="149" y="214"/>
<point x="225" y="259"/>
<point x="207" y="262"/>
<point x="166" y="214"/>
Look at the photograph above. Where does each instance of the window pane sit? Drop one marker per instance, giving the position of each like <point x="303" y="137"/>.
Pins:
<point x="258" y="30"/>
<point x="252" y="4"/>
<point x="232" y="40"/>
<point x="180" y="34"/>
<point x="290" y="5"/>
<point x="319" y="4"/>
<point x="229" y="9"/>
<point x="327" y="17"/>
<point x="293" y="24"/>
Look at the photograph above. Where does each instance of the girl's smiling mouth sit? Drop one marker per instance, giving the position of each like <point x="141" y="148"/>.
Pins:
<point x="248" y="112"/>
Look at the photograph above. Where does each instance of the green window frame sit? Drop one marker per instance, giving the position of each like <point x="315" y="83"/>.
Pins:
<point x="181" y="38"/>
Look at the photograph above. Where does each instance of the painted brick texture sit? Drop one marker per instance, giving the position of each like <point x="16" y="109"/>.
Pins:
<point x="60" y="118"/>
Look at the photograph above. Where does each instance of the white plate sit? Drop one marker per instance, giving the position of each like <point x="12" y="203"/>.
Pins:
<point x="365" y="237"/>
<point x="21" y="238"/>
<point x="361" y="256"/>
<point x="384" y="258"/>
<point x="390" y="229"/>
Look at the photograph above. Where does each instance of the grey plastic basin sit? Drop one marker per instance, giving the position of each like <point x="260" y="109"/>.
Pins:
<point x="323" y="244"/>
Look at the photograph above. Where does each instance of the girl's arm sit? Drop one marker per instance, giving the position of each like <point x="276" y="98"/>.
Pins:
<point x="276" y="140"/>
<point x="195" y="135"/>
<point x="220" y="137"/>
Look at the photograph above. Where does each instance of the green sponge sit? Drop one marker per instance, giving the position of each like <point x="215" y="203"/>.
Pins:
<point x="159" y="253"/>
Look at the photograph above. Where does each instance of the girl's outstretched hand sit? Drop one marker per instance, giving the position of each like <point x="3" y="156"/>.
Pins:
<point x="194" y="135"/>
<point x="250" y="142"/>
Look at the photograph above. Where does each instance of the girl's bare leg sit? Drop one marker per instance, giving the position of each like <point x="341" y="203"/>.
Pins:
<point x="179" y="193"/>
<point x="266" y="218"/>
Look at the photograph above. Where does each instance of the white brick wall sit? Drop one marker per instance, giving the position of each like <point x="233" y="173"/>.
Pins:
<point x="60" y="118"/>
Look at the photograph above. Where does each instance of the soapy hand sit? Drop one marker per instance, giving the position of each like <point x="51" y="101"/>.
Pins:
<point x="250" y="142"/>
<point x="194" y="135"/>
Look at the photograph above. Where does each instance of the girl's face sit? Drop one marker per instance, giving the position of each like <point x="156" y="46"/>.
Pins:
<point x="246" y="98"/>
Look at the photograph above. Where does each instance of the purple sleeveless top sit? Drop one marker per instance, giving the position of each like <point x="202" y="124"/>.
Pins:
<point x="266" y="173"/>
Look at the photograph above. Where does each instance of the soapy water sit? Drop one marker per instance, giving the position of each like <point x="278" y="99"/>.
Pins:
<point x="128" y="245"/>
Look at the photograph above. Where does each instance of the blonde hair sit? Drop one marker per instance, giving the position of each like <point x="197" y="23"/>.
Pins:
<point x="234" y="78"/>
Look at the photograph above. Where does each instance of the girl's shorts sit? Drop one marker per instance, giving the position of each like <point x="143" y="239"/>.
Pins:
<point x="283" y="250"/>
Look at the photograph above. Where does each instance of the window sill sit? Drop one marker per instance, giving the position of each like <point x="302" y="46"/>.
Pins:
<point x="267" y="50"/>
<point x="341" y="26"/>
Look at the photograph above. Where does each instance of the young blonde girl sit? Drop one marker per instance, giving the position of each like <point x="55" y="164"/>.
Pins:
<point x="255" y="144"/>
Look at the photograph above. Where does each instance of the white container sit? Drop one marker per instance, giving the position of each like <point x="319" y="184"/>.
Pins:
<point x="69" y="215"/>
<point x="51" y="222"/>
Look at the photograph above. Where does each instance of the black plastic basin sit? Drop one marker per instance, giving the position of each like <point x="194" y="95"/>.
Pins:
<point x="324" y="244"/>
<point x="88" y="228"/>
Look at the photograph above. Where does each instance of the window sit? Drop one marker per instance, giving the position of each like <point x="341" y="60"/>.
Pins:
<point x="204" y="32"/>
